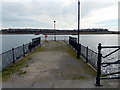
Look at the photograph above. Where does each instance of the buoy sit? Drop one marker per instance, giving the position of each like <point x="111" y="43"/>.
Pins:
<point x="46" y="35"/>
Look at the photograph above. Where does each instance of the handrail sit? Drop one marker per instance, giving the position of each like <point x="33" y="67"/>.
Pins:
<point x="110" y="46"/>
<point x="99" y="64"/>
<point x="111" y="73"/>
<point x="111" y="53"/>
<point x="14" y="54"/>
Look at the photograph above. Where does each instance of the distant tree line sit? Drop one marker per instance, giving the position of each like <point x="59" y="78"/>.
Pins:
<point x="42" y="31"/>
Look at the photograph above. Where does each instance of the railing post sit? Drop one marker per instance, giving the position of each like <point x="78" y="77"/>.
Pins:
<point x="78" y="50"/>
<point x="30" y="46"/>
<point x="39" y="40"/>
<point x="99" y="66"/>
<point x="13" y="55"/>
<point x="23" y="50"/>
<point x="87" y="54"/>
<point x="69" y="40"/>
<point x="37" y="43"/>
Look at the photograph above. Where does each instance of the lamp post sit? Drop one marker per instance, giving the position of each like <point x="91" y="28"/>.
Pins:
<point x="54" y="31"/>
<point x="78" y="51"/>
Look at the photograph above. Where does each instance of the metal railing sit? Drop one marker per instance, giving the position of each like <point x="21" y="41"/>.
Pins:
<point x="11" y="56"/>
<point x="58" y="37"/>
<point x="100" y="64"/>
<point x="89" y="55"/>
<point x="96" y="60"/>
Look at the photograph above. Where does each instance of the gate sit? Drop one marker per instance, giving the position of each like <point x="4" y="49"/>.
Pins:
<point x="101" y="64"/>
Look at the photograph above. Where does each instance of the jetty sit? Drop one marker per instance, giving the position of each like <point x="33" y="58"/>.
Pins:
<point x="52" y="64"/>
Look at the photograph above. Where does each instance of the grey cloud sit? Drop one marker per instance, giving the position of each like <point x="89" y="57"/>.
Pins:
<point x="14" y="13"/>
<point x="18" y="12"/>
<point x="87" y="7"/>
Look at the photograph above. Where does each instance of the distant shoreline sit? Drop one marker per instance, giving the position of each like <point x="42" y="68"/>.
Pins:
<point x="63" y="33"/>
<point x="57" y="31"/>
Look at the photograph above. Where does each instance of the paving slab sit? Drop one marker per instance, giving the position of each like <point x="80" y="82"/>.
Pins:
<point x="44" y="84"/>
<point x="17" y="85"/>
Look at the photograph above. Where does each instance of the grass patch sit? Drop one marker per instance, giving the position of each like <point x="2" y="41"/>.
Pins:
<point x="26" y="65"/>
<point x="22" y="72"/>
<point x="88" y="69"/>
<point x="59" y="41"/>
<point x="46" y="42"/>
<point x="58" y="48"/>
<point x="17" y="66"/>
<point x="0" y="76"/>
<point x="71" y="51"/>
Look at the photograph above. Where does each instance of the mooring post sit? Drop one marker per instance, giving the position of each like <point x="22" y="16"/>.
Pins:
<point x="13" y="55"/>
<point x="99" y="66"/>
<point x="87" y="54"/>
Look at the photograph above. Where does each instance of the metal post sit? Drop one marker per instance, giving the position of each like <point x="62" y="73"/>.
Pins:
<point x="99" y="66"/>
<point x="39" y="40"/>
<point x="69" y="39"/>
<point x="23" y="50"/>
<point x="30" y="46"/>
<point x="13" y="55"/>
<point x="36" y="42"/>
<point x="78" y="48"/>
<point x="54" y="31"/>
<point x="87" y="54"/>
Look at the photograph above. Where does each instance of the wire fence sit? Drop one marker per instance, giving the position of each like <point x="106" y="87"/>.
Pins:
<point x="6" y="58"/>
<point x="11" y="56"/>
<point x="106" y="69"/>
<point x="89" y="55"/>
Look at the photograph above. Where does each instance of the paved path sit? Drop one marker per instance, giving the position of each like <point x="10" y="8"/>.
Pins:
<point x="55" y="67"/>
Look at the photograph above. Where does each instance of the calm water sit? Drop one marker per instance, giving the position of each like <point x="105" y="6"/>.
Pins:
<point x="9" y="41"/>
<point x="92" y="40"/>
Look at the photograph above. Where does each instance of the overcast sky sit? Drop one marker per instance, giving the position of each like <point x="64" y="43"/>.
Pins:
<point x="42" y="13"/>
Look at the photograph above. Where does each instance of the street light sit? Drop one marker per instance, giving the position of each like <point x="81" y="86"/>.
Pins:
<point x="54" y="31"/>
<point x="78" y="51"/>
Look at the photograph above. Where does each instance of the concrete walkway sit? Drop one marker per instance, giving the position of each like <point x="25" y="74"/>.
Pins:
<point x="55" y="66"/>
